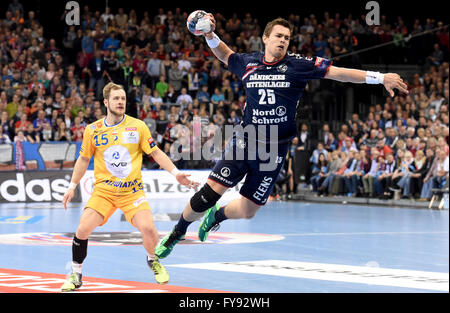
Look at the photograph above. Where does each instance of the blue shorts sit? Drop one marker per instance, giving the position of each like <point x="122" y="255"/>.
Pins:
<point x="262" y="168"/>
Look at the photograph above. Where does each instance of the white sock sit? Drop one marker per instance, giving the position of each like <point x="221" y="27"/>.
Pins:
<point x="76" y="267"/>
<point x="150" y="257"/>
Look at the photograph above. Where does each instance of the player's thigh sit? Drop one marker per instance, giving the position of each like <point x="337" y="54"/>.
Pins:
<point x="219" y="188"/>
<point x="90" y="219"/>
<point x="227" y="174"/>
<point x="259" y="182"/>
<point x="143" y="221"/>
<point x="102" y="203"/>
<point x="133" y="204"/>
<point x="249" y="207"/>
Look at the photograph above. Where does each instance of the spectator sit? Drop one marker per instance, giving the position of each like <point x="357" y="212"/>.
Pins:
<point x="156" y="98"/>
<point x="437" y="175"/>
<point x="62" y="133"/>
<point x="217" y="97"/>
<point x="111" y="43"/>
<point x="153" y="70"/>
<point x="175" y="77"/>
<point x="203" y="95"/>
<point x="233" y="119"/>
<point x="161" y="123"/>
<point x="4" y="138"/>
<point x="184" y="99"/>
<point x="319" y="170"/>
<point x="77" y="130"/>
<point x="12" y="106"/>
<point x="404" y="169"/>
<point x="349" y="145"/>
<point x="437" y="56"/>
<point x="20" y="137"/>
<point x="255" y="43"/>
<point x="31" y="135"/>
<point x="304" y="136"/>
<point x="96" y="70"/>
<point x="47" y="133"/>
<point x="350" y="176"/>
<point x="315" y="155"/>
<point x="368" y="179"/>
<point x="383" y="148"/>
<point x="162" y="86"/>
<point x="420" y="163"/>
<point x="40" y="121"/>
<point x="333" y="167"/>
<point x="386" y="175"/>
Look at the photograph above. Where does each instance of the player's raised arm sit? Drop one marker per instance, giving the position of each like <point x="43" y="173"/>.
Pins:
<point x="218" y="47"/>
<point x="390" y="81"/>
<point x="201" y="23"/>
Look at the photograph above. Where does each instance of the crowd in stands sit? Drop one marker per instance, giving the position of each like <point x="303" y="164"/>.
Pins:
<point x="50" y="90"/>
<point x="401" y="145"/>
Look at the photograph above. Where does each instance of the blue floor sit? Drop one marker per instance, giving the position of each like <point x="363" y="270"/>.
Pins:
<point x="293" y="247"/>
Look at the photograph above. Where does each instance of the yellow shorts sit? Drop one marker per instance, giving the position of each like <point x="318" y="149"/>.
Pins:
<point x="106" y="204"/>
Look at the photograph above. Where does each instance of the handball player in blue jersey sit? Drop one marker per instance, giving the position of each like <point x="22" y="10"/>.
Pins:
<point x="274" y="81"/>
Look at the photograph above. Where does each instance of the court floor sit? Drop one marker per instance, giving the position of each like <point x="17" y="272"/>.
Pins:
<point x="288" y="247"/>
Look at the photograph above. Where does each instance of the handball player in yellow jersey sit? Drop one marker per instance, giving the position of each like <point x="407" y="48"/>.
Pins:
<point x="117" y="143"/>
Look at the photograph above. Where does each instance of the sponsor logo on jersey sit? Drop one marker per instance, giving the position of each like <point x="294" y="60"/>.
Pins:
<point x="139" y="201"/>
<point x="118" y="161"/>
<point x="267" y="81"/>
<point x="130" y="137"/>
<point x="122" y="184"/>
<point x="225" y="172"/>
<point x="263" y="188"/>
<point x="269" y="116"/>
<point x="282" y="68"/>
<point x="151" y="142"/>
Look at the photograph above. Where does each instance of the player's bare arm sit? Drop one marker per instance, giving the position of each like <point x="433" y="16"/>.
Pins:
<point x="390" y="81"/>
<point x="221" y="51"/>
<point x="80" y="168"/>
<point x="164" y="162"/>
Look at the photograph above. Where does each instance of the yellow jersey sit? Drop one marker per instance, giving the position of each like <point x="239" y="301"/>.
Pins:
<point x="117" y="151"/>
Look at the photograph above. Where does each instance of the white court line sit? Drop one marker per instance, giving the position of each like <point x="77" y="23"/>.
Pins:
<point x="367" y="233"/>
<point x="334" y="272"/>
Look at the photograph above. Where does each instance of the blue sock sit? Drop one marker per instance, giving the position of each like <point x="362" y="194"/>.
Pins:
<point x="220" y="215"/>
<point x="182" y="225"/>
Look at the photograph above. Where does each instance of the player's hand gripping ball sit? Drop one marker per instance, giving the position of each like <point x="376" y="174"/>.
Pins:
<point x="198" y="23"/>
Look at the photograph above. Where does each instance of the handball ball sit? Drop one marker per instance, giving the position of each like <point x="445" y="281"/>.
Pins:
<point x="198" y="24"/>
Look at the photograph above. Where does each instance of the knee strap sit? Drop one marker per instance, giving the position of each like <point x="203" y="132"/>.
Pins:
<point x="204" y="199"/>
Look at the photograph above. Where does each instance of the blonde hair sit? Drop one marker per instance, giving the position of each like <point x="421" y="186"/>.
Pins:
<point x="420" y="153"/>
<point x="109" y="87"/>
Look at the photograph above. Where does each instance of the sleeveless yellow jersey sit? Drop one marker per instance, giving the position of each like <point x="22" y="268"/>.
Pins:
<point x="117" y="151"/>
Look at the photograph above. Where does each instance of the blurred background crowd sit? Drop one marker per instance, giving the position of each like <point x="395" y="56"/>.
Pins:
<point x="51" y="89"/>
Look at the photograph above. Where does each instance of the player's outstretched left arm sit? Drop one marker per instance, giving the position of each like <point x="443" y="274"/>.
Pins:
<point x="390" y="81"/>
<point x="164" y="162"/>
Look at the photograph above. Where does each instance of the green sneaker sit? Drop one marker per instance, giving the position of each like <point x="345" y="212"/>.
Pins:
<point x="161" y="275"/>
<point x="73" y="282"/>
<point x="208" y="223"/>
<point x="165" y="246"/>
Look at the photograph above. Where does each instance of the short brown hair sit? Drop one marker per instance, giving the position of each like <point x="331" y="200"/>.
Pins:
<point x="277" y="21"/>
<point x="111" y="86"/>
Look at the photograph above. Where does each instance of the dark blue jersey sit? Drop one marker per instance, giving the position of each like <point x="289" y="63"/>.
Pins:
<point x="274" y="89"/>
